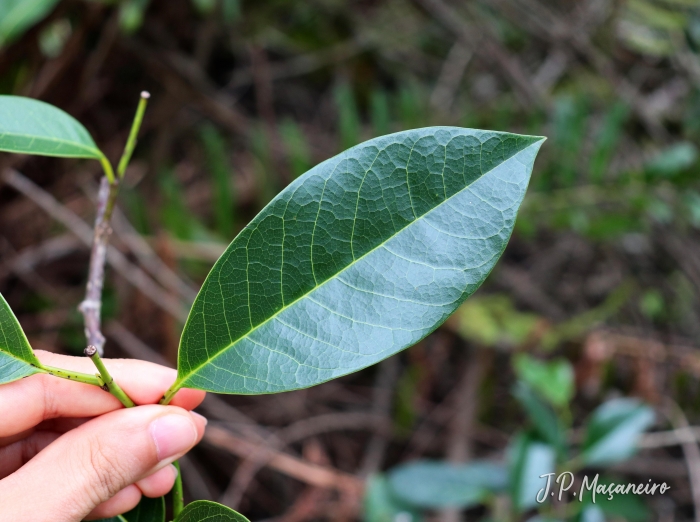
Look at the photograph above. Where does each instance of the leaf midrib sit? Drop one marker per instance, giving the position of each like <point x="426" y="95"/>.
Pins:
<point x="178" y="384"/>
<point x="94" y="150"/>
<point x="34" y="365"/>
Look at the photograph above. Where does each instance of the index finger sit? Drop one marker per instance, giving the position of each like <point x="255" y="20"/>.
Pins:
<point x="27" y="402"/>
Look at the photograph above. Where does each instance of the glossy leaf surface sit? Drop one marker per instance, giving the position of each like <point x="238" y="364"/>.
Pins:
<point x="204" y="510"/>
<point x="442" y="485"/>
<point x="17" y="360"/>
<point x="16" y="16"/>
<point x="29" y="126"/>
<point x="613" y="430"/>
<point x="359" y="258"/>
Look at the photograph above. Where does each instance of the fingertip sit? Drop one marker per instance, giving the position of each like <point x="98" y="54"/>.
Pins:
<point x="124" y="501"/>
<point x="159" y="483"/>
<point x="200" y="422"/>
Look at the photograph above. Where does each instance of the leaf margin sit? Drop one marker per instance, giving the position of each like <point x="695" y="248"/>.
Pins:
<point x="182" y="381"/>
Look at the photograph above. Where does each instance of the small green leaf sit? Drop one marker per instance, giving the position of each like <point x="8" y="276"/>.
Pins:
<point x="427" y="484"/>
<point x="553" y="380"/>
<point x="381" y="505"/>
<point x="614" y="429"/>
<point x="673" y="160"/>
<point x="529" y="459"/>
<point x="148" y="510"/>
<point x="131" y="14"/>
<point x="204" y="7"/>
<point x="53" y="38"/>
<point x="361" y="257"/>
<point x="591" y="513"/>
<point x="628" y="506"/>
<point x="492" y="320"/>
<point x="17" y="360"/>
<point x="16" y="16"/>
<point x="652" y="304"/>
<point x="544" y="419"/>
<point x="29" y="126"/>
<point x="204" y="510"/>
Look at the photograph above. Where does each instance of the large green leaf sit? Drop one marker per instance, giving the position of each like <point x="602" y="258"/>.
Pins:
<point x="429" y="484"/>
<point x="17" y="360"/>
<point x="204" y="510"/>
<point x="29" y="126"/>
<point x="359" y="258"/>
<point x="16" y="16"/>
<point x="613" y="430"/>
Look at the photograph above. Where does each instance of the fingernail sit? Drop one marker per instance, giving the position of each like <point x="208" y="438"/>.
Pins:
<point x="173" y="434"/>
<point x="175" y="471"/>
<point x="201" y="417"/>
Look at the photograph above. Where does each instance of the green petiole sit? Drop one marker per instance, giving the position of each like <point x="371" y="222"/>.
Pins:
<point x="109" y="383"/>
<point x="85" y="378"/>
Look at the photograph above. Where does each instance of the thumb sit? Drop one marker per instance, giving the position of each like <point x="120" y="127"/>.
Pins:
<point x="90" y="464"/>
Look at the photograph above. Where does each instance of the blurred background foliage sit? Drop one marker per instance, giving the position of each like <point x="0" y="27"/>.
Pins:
<point x="597" y="296"/>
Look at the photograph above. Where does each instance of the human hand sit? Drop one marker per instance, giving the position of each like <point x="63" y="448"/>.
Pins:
<point x="70" y="451"/>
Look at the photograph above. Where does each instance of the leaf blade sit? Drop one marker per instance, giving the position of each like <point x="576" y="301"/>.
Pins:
<point x="381" y="505"/>
<point x="201" y="510"/>
<point x="318" y="335"/>
<point x="29" y="126"/>
<point x="436" y="485"/>
<point x="613" y="430"/>
<point x="545" y="421"/>
<point x="17" y="360"/>
<point x="16" y="16"/>
<point x="530" y="459"/>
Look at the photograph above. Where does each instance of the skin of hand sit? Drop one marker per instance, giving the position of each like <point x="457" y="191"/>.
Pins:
<point x="70" y="451"/>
